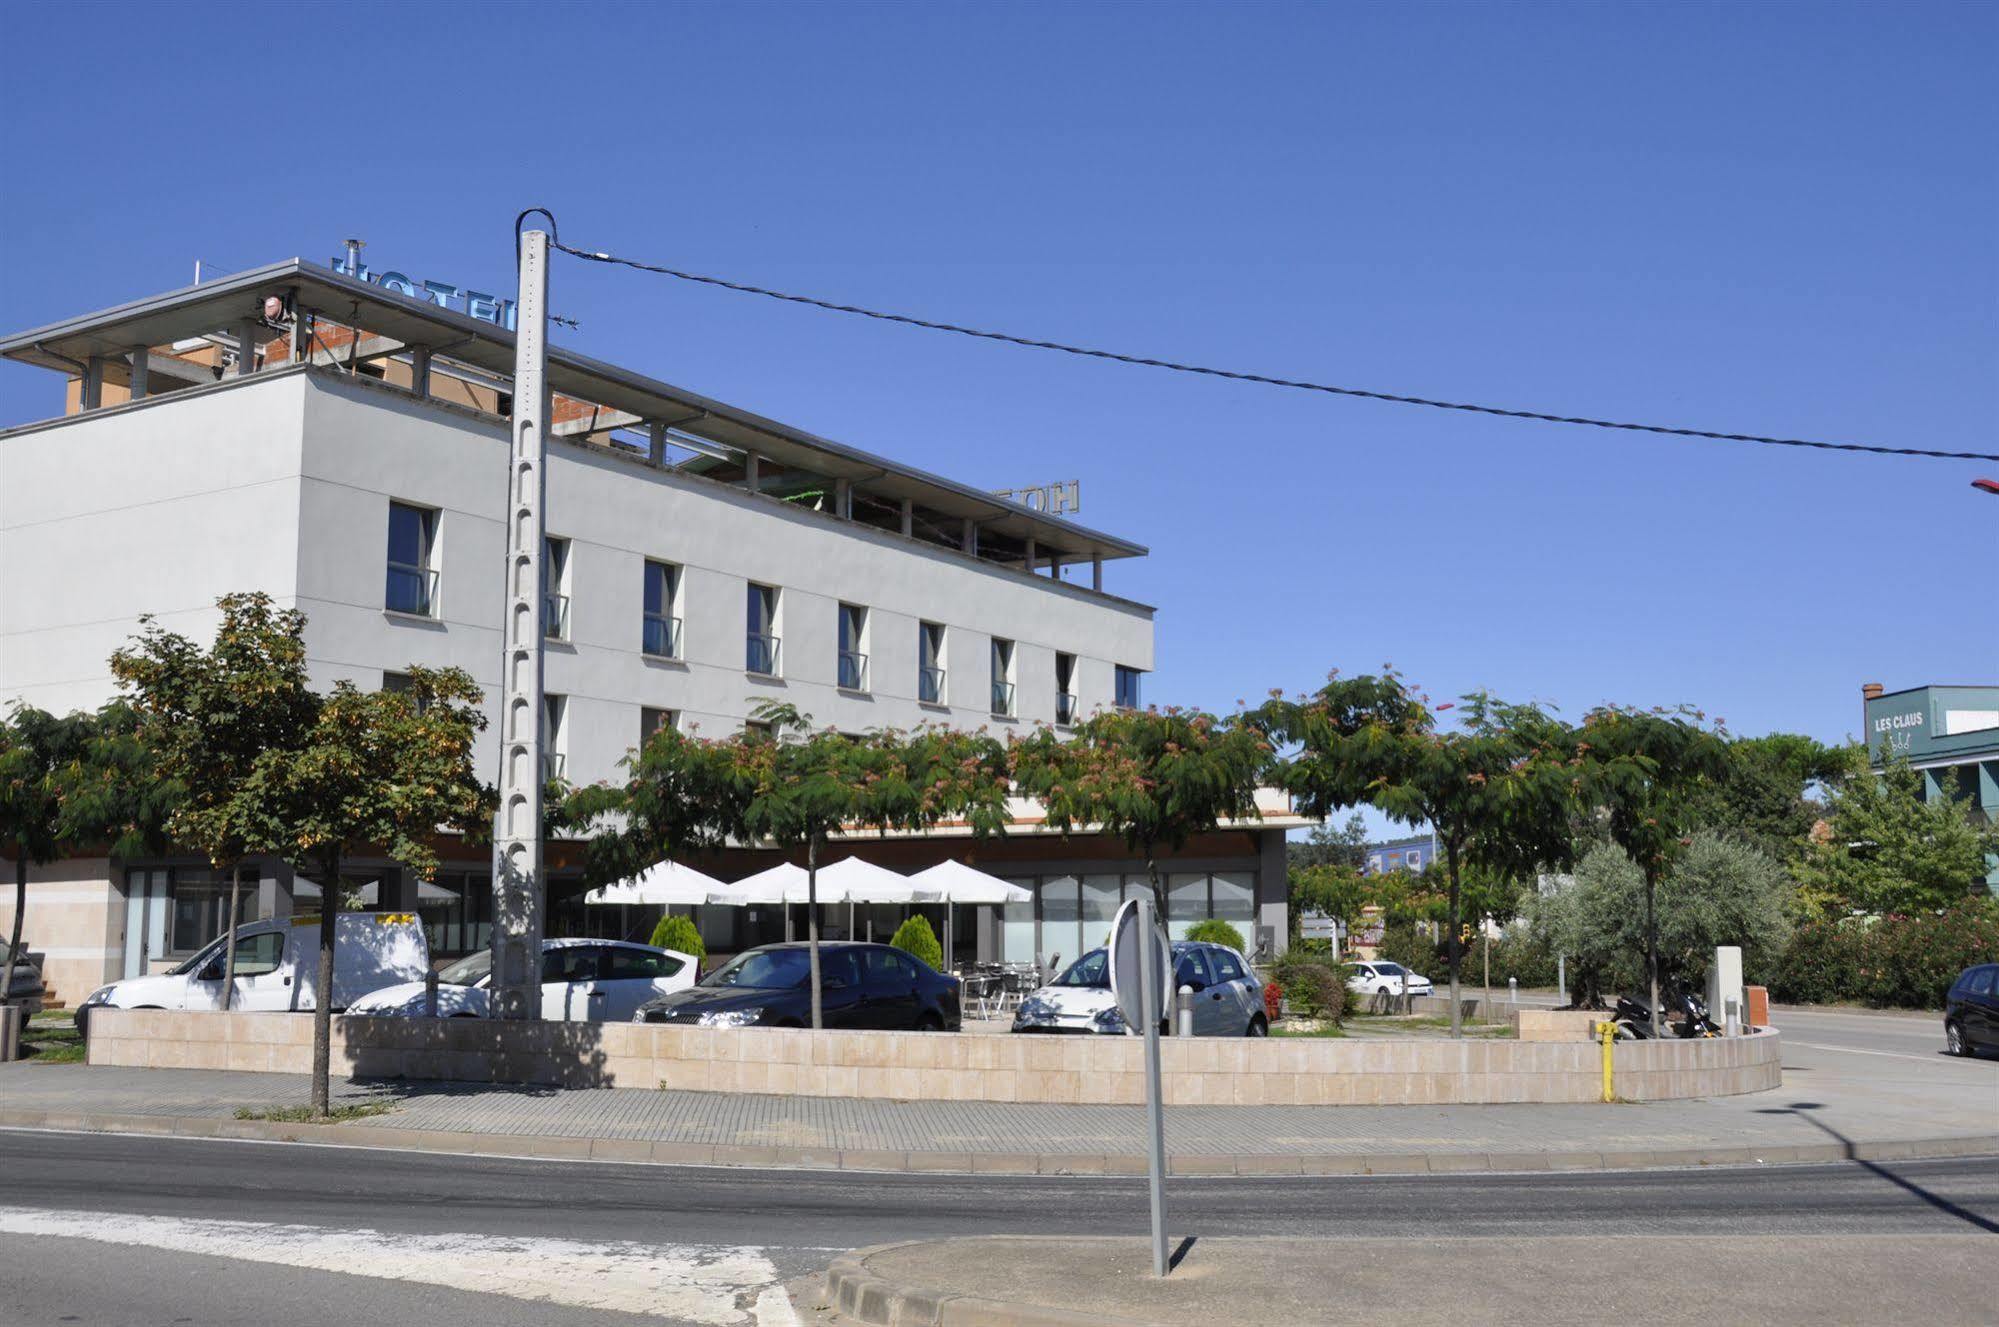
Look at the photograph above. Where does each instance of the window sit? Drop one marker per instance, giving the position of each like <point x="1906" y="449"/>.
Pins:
<point x="662" y="610"/>
<point x="555" y="588"/>
<point x="259" y="955"/>
<point x="887" y="969"/>
<point x="1002" y="677"/>
<point x="853" y="647"/>
<point x="651" y="721"/>
<point x="638" y="965"/>
<point x="762" y="642"/>
<point x="758" y="728"/>
<point x="930" y="663"/>
<point x="1226" y="966"/>
<point x="412" y="584"/>
<point x="397" y="681"/>
<point x="554" y="710"/>
<point x="571" y="963"/>
<point x="198" y="907"/>
<point x="1127" y="687"/>
<point x="1413" y="859"/>
<point x="1192" y="969"/>
<point x="1065" y="688"/>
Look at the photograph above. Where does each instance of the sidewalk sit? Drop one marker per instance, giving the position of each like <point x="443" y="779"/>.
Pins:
<point x="1005" y="1281"/>
<point x="1815" y="1121"/>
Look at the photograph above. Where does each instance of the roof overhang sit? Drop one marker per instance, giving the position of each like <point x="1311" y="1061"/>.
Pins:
<point x="216" y="305"/>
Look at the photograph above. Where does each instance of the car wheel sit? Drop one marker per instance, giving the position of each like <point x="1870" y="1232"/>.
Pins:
<point x="1953" y="1038"/>
<point x="1258" y="1027"/>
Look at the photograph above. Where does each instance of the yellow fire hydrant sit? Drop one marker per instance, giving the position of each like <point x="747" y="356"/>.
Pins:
<point x="1607" y="1033"/>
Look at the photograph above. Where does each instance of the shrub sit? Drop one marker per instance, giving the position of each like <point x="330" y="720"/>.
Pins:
<point x="1316" y="987"/>
<point x="1518" y="956"/>
<point x="1404" y="944"/>
<point x="915" y="938"/>
<point x="1215" y="931"/>
<point x="680" y="933"/>
<point x="1273" y="1001"/>
<point x="1901" y="961"/>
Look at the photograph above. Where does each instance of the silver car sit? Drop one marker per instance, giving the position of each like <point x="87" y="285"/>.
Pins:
<point x="1227" y="997"/>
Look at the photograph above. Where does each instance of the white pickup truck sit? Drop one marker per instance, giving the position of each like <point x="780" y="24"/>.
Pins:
<point x="276" y="963"/>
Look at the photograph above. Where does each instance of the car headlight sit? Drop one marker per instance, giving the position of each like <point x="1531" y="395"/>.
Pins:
<point x="1110" y="1020"/>
<point x="1034" y="1011"/>
<point x="730" y="1018"/>
<point x="102" y="995"/>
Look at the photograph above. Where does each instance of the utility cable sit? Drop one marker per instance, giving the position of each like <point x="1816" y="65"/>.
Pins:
<point x="1235" y="375"/>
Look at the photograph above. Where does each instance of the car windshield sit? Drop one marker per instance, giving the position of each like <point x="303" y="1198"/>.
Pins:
<point x="471" y="970"/>
<point x="1390" y="969"/>
<point x="198" y="962"/>
<point x="1092" y="969"/>
<point x="765" y="969"/>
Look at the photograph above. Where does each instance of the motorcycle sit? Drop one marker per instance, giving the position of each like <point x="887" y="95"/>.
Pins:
<point x="1634" y="1022"/>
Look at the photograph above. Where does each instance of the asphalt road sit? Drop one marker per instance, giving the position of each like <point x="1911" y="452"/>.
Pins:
<point x="590" y="1235"/>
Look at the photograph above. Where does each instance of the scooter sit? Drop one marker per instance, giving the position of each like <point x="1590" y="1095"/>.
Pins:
<point x="1634" y="1022"/>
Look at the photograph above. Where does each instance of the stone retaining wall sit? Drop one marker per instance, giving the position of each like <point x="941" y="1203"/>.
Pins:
<point x="941" y="1066"/>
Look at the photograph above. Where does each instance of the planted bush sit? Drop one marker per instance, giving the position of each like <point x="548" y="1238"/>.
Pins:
<point x="1215" y="931"/>
<point x="1895" y="961"/>
<point x="679" y="933"/>
<point x="915" y="938"/>
<point x="1316" y="987"/>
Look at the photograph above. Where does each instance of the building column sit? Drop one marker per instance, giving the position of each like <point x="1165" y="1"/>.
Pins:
<point x="750" y="467"/>
<point x="246" y="347"/>
<point x="843" y="499"/>
<point x="656" y="442"/>
<point x="142" y="359"/>
<point x="1097" y="573"/>
<point x="420" y="370"/>
<point x="970" y="541"/>
<point x="1032" y="557"/>
<point x="1273" y="913"/>
<point x="92" y="390"/>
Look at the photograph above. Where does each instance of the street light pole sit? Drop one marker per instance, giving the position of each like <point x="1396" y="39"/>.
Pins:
<point x="517" y="874"/>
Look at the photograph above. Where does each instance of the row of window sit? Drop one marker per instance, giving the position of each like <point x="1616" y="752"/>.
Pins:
<point x="412" y="588"/>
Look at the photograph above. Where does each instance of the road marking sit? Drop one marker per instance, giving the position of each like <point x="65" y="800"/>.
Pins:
<point x="715" y="1285"/>
<point x="1855" y="1050"/>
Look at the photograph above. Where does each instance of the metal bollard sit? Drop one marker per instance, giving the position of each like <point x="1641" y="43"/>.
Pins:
<point x="1513" y="991"/>
<point x="1561" y="979"/>
<point x="1731" y="1025"/>
<point x="1183" y="1012"/>
<point x="430" y="994"/>
<point x="1607" y="1031"/>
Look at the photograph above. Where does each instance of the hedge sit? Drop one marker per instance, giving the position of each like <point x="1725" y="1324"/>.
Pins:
<point x="1896" y="961"/>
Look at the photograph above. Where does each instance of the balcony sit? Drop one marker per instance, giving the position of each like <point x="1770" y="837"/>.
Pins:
<point x="555" y="616"/>
<point x="930" y="685"/>
<point x="411" y="590"/>
<point x="1003" y="700"/>
<point x="553" y="765"/>
<point x="853" y="670"/>
<point x="662" y="636"/>
<point x="762" y="654"/>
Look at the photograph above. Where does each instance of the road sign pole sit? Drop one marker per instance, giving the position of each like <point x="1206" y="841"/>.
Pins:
<point x="1152" y="988"/>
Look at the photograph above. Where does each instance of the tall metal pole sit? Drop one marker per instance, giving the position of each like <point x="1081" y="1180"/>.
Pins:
<point x="1152" y="989"/>
<point x="517" y="882"/>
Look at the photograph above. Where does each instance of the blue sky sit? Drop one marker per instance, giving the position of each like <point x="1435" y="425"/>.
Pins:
<point x="1760" y="218"/>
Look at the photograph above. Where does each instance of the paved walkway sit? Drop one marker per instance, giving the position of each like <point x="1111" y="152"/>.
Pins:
<point x="1831" y="1104"/>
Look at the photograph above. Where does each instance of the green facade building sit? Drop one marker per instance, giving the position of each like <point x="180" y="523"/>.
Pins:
<point x="1950" y="733"/>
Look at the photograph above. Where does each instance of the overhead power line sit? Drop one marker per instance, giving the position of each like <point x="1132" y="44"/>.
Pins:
<point x="1268" y="380"/>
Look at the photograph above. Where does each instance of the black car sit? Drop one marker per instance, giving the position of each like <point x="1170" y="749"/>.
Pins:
<point x="1971" y="1011"/>
<point x="861" y="986"/>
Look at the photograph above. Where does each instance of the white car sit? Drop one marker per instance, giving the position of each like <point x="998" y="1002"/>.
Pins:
<point x="1382" y="977"/>
<point x="582" y="981"/>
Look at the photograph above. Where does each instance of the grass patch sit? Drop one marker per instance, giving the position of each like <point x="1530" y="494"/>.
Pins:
<point x="50" y="1038"/>
<point x="1318" y="1030"/>
<point x="358" y="1110"/>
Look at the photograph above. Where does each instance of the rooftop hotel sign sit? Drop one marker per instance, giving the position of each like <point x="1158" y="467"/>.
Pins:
<point x="462" y="299"/>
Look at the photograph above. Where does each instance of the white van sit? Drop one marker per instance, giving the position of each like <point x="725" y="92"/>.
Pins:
<point x="276" y="964"/>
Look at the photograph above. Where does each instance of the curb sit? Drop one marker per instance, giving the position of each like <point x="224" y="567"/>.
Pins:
<point x="861" y="1295"/>
<point x="641" y="1151"/>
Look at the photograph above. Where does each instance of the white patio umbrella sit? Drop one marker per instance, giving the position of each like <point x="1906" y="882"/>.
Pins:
<point x="865" y="882"/>
<point x="659" y="885"/>
<point x="959" y="883"/>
